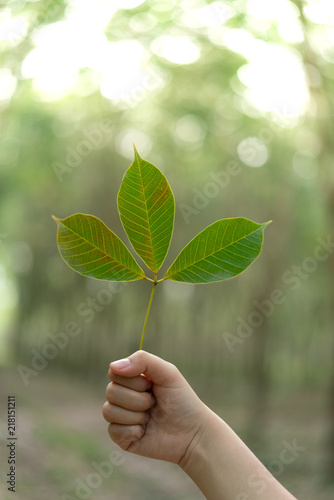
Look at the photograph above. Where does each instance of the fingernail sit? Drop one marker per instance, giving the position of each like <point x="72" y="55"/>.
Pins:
<point x="121" y="363"/>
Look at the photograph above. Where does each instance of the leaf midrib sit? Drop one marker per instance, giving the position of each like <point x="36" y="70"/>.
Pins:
<point x="96" y="247"/>
<point x="148" y="219"/>
<point x="216" y="251"/>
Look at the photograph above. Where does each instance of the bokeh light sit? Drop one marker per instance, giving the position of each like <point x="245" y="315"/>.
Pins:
<point x="253" y="152"/>
<point x="177" y="50"/>
<point x="8" y="83"/>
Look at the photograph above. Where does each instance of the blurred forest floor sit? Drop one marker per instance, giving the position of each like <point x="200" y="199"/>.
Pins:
<point x="61" y="433"/>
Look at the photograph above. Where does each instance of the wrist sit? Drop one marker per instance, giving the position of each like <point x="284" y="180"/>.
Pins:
<point x="221" y="465"/>
<point x="196" y="450"/>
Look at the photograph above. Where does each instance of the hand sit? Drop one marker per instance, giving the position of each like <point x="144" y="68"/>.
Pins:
<point x="151" y="408"/>
<point x="153" y="411"/>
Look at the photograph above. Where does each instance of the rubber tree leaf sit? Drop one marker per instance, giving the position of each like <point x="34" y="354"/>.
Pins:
<point x="91" y="249"/>
<point x="147" y="208"/>
<point x="221" y="251"/>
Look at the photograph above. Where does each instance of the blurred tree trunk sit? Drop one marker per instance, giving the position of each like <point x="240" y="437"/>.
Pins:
<point x="258" y="372"/>
<point x="323" y="127"/>
<point x="330" y="471"/>
<point x="259" y="383"/>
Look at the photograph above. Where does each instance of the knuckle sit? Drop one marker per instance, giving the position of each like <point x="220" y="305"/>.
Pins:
<point x="139" y="355"/>
<point x="124" y="445"/>
<point x="128" y="433"/>
<point x="105" y="410"/>
<point x="111" y="413"/>
<point x="110" y="391"/>
<point x="114" y="433"/>
<point x="123" y="437"/>
<point x="173" y="370"/>
<point x="146" y="401"/>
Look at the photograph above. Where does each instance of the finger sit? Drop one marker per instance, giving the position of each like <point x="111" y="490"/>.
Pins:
<point x="129" y="399"/>
<point x="158" y="370"/>
<point x="117" y="415"/>
<point x="139" y="383"/>
<point x="124" y="435"/>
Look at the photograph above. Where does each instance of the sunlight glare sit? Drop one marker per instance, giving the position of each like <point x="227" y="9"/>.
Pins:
<point x="215" y="14"/>
<point x="283" y="12"/>
<point x="276" y="80"/>
<point x="8" y="84"/>
<point x="322" y="40"/>
<point x="50" y="77"/>
<point x="127" y="4"/>
<point x="273" y="10"/>
<point x="320" y="11"/>
<point x="238" y="40"/>
<point x="12" y="29"/>
<point x="65" y="47"/>
<point x="291" y="31"/>
<point x="120" y="78"/>
<point x="59" y="55"/>
<point x="79" y="12"/>
<point x="178" y="50"/>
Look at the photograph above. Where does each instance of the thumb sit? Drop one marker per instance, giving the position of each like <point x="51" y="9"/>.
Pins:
<point x="161" y="372"/>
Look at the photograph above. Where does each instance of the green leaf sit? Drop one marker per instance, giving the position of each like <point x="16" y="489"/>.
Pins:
<point x="146" y="207"/>
<point x="91" y="249"/>
<point x="221" y="251"/>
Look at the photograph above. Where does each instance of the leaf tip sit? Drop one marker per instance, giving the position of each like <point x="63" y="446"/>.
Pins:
<point x="55" y="218"/>
<point x="137" y="155"/>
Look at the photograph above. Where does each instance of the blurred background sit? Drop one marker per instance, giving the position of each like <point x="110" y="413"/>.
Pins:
<point x="234" y="102"/>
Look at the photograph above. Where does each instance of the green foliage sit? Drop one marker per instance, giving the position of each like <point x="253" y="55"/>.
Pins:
<point x="219" y="252"/>
<point x="91" y="249"/>
<point x="146" y="206"/>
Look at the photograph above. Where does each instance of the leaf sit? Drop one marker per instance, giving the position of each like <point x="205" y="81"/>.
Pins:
<point x="146" y="207"/>
<point x="221" y="251"/>
<point x="91" y="249"/>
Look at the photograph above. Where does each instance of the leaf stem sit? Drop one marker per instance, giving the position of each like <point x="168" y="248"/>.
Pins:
<point x="149" y="279"/>
<point x="148" y="311"/>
